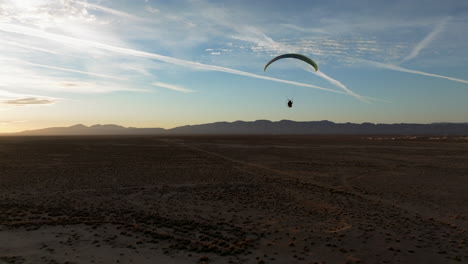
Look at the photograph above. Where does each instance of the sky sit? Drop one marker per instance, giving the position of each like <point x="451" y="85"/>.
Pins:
<point x="150" y="63"/>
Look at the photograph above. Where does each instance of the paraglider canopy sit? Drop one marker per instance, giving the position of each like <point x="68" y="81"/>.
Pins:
<point x="294" y="56"/>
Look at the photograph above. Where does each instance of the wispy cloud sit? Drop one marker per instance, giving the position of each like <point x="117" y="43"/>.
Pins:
<point x="29" y="101"/>
<point x="305" y="30"/>
<point x="265" y="43"/>
<point x="152" y="10"/>
<point x="60" y="68"/>
<point x="107" y="10"/>
<point x="339" y="84"/>
<point x="8" y="94"/>
<point x="25" y="81"/>
<point x="427" y="40"/>
<point x="401" y="69"/>
<point x="6" y="27"/>
<point x="19" y="99"/>
<point x="28" y="47"/>
<point x="9" y="122"/>
<point x="172" y="87"/>
<point x="20" y="77"/>
<point x="42" y="14"/>
<point x="256" y="36"/>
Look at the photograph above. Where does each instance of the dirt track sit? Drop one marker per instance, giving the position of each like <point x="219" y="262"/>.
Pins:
<point x="233" y="199"/>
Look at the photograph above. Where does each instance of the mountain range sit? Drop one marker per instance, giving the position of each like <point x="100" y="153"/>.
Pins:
<point x="283" y="127"/>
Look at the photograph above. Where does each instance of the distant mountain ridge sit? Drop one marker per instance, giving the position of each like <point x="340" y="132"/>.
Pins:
<point x="283" y="127"/>
<point x="80" y="129"/>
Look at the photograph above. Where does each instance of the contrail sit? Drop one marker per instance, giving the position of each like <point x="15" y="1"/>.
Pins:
<point x="16" y="44"/>
<point x="76" y="71"/>
<point x="107" y="10"/>
<point x="339" y="84"/>
<point x="63" y="69"/>
<point x="185" y="63"/>
<point x="427" y="40"/>
<point x="172" y="87"/>
<point x="401" y="69"/>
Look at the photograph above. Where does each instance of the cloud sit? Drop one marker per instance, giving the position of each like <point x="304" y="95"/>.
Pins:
<point x="339" y="84"/>
<point x="401" y="69"/>
<point x="256" y="36"/>
<point x="264" y="43"/>
<point x="9" y="122"/>
<point x="23" y="77"/>
<point x="61" y="69"/>
<point x="43" y="65"/>
<point x="14" y="121"/>
<point x="19" y="99"/>
<point x="305" y="30"/>
<point x="427" y="40"/>
<point x="30" y="101"/>
<point x="172" y="87"/>
<point x="42" y="14"/>
<point x="107" y="10"/>
<point x="4" y="93"/>
<point x="86" y="44"/>
<point x="28" y="47"/>
<point x="152" y="10"/>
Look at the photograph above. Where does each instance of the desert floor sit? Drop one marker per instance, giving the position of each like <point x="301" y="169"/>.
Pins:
<point x="222" y="199"/>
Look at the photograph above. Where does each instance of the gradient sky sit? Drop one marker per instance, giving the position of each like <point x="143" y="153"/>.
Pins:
<point x="169" y="63"/>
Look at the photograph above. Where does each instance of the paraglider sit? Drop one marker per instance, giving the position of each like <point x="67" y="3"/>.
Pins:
<point x="294" y="56"/>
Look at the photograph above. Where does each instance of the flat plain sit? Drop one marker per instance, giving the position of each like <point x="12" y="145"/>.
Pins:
<point x="233" y="199"/>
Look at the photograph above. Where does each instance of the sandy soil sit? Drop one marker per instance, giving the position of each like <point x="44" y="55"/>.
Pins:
<point x="233" y="200"/>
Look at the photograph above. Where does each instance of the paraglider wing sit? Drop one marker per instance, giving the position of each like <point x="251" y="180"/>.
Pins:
<point x="295" y="56"/>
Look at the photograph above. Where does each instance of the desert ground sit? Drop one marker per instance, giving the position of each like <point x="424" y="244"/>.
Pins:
<point x="233" y="199"/>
